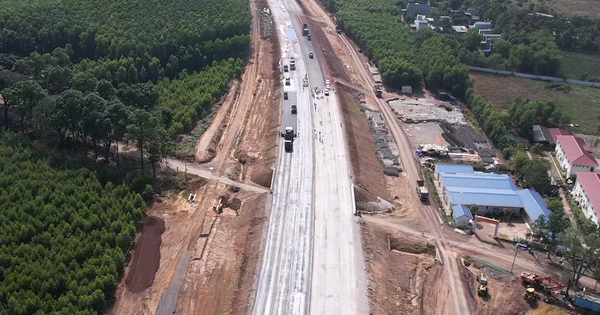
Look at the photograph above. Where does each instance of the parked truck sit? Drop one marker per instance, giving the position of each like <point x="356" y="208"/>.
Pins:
<point x="285" y="95"/>
<point x="422" y="191"/>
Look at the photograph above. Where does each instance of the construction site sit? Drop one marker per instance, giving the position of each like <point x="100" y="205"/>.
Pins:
<point x="348" y="203"/>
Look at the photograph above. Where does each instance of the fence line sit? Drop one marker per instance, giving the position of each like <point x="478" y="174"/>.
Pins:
<point x="536" y="77"/>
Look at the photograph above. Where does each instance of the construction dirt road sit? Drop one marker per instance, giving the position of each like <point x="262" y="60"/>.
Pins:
<point x="208" y="259"/>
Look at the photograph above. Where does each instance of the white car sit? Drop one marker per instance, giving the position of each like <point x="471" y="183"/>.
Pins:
<point x="327" y="82"/>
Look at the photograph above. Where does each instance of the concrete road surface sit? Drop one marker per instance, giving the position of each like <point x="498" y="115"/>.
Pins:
<point x="313" y="260"/>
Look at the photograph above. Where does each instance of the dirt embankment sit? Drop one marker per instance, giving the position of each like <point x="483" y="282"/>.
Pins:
<point x="258" y="144"/>
<point x="366" y="168"/>
<point x="146" y="257"/>
<point x="398" y="278"/>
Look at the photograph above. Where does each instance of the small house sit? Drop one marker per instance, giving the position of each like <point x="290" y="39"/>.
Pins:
<point x="407" y="89"/>
<point x="414" y="9"/>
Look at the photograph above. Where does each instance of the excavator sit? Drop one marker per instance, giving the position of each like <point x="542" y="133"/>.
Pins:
<point x="544" y="282"/>
<point x="482" y="288"/>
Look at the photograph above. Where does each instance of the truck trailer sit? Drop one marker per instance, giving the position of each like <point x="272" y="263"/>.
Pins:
<point x="422" y="191"/>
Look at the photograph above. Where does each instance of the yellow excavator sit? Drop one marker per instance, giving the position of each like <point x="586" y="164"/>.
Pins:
<point x="482" y="288"/>
<point x="530" y="295"/>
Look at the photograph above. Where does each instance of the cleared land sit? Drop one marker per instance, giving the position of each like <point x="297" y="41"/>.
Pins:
<point x="582" y="104"/>
<point x="581" y="66"/>
<point x="589" y="8"/>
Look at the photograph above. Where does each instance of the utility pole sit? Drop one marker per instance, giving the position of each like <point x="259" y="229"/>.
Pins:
<point x="515" y="258"/>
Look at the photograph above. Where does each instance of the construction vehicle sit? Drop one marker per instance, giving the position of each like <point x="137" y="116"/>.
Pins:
<point x="289" y="133"/>
<point x="310" y="55"/>
<point x="285" y="95"/>
<point x="305" y="29"/>
<point x="378" y="91"/>
<point x="422" y="191"/>
<point x="285" y="68"/>
<point x="543" y="282"/>
<point x="482" y="288"/>
<point x="338" y="30"/>
<point x="294" y="109"/>
<point x="530" y="295"/>
<point x="292" y="64"/>
<point x="288" y="146"/>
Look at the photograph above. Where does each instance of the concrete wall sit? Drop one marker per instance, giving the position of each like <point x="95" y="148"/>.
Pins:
<point x="581" y="196"/>
<point x="537" y="77"/>
<point x="462" y="221"/>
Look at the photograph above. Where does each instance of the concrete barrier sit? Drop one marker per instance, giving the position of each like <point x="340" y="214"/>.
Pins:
<point x="536" y="77"/>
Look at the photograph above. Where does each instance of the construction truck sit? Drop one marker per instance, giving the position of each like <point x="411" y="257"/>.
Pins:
<point x="542" y="282"/>
<point x="378" y="91"/>
<point x="482" y="288"/>
<point x="294" y="109"/>
<point x="292" y="64"/>
<point x="305" y="29"/>
<point x="422" y="191"/>
<point x="289" y="133"/>
<point x="285" y="95"/>
<point x="288" y="146"/>
<point x="285" y="68"/>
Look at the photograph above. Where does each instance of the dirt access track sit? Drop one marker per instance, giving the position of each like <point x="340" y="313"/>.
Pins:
<point x="208" y="260"/>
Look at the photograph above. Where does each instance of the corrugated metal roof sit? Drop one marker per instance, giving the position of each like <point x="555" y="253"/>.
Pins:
<point x="482" y="198"/>
<point x="591" y="184"/>
<point x="459" y="211"/>
<point x="533" y="203"/>
<point x="480" y="180"/>
<point x="454" y="168"/>
<point x="575" y="151"/>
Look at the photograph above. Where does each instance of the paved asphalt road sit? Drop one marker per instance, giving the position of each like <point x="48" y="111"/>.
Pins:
<point x="313" y="259"/>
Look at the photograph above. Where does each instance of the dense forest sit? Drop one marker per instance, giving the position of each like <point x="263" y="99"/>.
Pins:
<point x="130" y="28"/>
<point x="76" y="77"/>
<point x="63" y="236"/>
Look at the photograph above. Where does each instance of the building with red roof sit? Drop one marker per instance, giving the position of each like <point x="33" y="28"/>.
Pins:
<point x="555" y="132"/>
<point x="574" y="155"/>
<point x="587" y="193"/>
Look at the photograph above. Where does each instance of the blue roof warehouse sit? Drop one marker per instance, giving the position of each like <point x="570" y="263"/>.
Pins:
<point x="461" y="187"/>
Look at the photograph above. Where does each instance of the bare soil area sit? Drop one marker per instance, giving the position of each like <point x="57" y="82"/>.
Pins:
<point x="505" y="291"/>
<point x="146" y="255"/>
<point x="403" y="279"/>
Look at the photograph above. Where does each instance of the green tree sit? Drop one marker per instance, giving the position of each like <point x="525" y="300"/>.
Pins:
<point x="473" y="209"/>
<point x="142" y="129"/>
<point x="26" y="96"/>
<point x="582" y="251"/>
<point x="473" y="39"/>
<point x="84" y="82"/>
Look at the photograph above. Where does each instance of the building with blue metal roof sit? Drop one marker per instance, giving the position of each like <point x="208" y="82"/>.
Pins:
<point x="462" y="215"/>
<point x="493" y="193"/>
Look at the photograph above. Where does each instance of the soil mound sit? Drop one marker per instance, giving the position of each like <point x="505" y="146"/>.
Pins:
<point x="146" y="257"/>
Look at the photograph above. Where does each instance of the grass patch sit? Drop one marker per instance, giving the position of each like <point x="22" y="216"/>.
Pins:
<point x="186" y="148"/>
<point x="578" y="102"/>
<point x="581" y="66"/>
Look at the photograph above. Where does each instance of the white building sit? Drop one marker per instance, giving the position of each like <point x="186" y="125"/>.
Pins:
<point x="574" y="155"/>
<point x="587" y="193"/>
